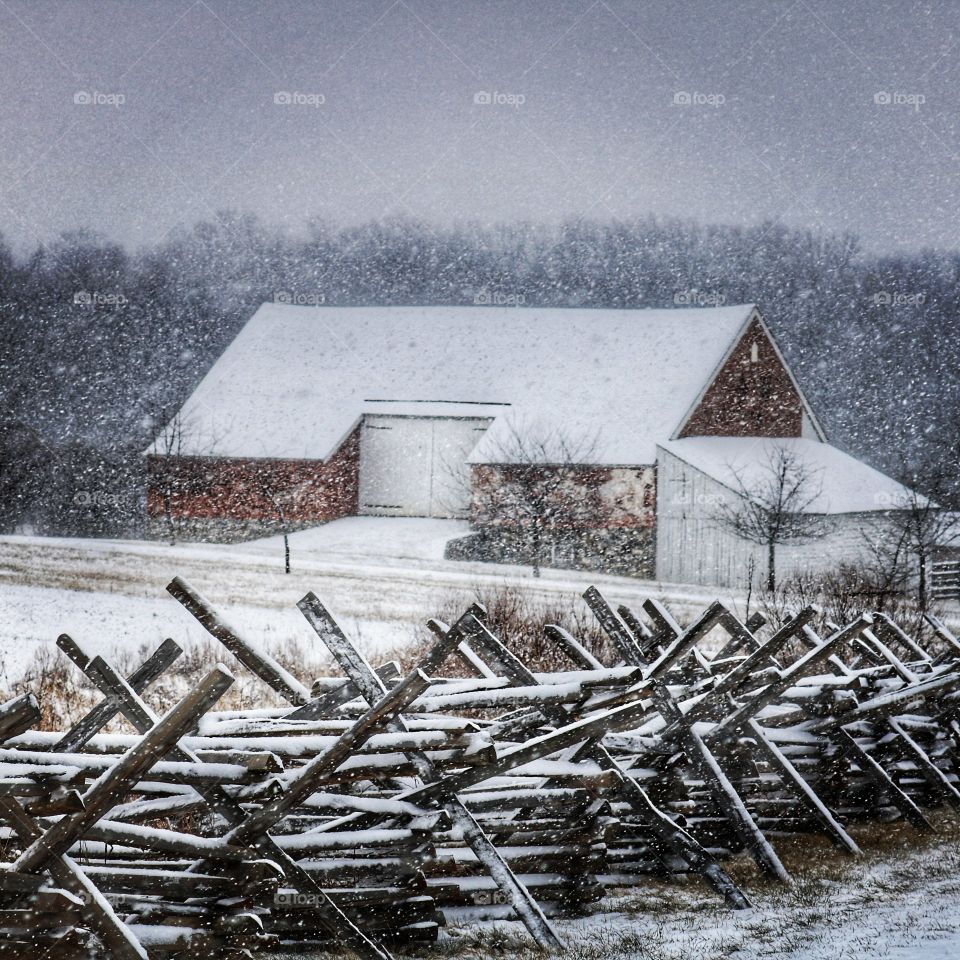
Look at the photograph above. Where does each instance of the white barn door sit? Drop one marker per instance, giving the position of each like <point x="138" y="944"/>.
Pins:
<point x="449" y="474"/>
<point x="395" y="466"/>
<point x="416" y="466"/>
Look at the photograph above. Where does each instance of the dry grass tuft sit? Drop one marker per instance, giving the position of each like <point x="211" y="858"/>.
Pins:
<point x="517" y="619"/>
<point x="66" y="695"/>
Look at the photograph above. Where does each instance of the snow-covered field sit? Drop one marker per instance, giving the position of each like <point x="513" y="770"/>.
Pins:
<point x="382" y="577"/>
<point x="906" y="907"/>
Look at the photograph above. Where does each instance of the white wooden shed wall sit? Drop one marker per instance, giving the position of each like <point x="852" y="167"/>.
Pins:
<point x="692" y="547"/>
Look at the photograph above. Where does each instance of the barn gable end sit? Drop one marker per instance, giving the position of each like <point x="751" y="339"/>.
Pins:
<point x="753" y="394"/>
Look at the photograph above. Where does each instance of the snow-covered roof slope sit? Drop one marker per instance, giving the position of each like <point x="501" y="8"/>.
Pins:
<point x="296" y="379"/>
<point x="950" y="534"/>
<point x="845" y="484"/>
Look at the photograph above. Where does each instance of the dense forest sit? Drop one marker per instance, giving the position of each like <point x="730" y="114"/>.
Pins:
<point x="99" y="346"/>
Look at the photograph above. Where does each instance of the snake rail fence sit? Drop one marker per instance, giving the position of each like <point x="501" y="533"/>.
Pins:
<point x="374" y="807"/>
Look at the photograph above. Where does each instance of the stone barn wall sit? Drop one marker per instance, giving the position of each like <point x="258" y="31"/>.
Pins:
<point x="612" y="528"/>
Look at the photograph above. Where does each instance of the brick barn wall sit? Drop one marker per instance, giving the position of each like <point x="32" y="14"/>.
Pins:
<point x="749" y="398"/>
<point x="224" y="499"/>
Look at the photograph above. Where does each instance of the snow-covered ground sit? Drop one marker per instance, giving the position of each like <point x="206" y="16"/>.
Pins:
<point x="385" y="538"/>
<point x="903" y="908"/>
<point x="382" y="577"/>
<point x="899" y="903"/>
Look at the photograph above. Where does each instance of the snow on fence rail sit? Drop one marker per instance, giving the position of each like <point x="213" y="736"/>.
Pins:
<point x="376" y="807"/>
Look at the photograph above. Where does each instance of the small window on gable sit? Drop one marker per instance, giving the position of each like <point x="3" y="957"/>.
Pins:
<point x="754" y="352"/>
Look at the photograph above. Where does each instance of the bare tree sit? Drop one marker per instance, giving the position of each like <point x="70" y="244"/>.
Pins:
<point x="919" y="526"/>
<point x="167" y="474"/>
<point x="175" y="473"/>
<point x="275" y="494"/>
<point x="535" y="485"/>
<point x="886" y="558"/>
<point x="24" y="455"/>
<point x="772" y="509"/>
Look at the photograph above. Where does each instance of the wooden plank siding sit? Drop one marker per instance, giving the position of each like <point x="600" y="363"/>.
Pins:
<point x="693" y="547"/>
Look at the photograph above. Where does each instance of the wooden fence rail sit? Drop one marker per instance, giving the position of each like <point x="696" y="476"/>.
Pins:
<point x="374" y="807"/>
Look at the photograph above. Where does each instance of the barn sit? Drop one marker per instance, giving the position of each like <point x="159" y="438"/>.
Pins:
<point x="317" y="413"/>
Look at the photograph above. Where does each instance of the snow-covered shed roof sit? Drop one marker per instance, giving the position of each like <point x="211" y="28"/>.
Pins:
<point x="842" y="483"/>
<point x="296" y="379"/>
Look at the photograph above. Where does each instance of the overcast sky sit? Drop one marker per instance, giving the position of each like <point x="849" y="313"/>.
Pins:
<point x="783" y="118"/>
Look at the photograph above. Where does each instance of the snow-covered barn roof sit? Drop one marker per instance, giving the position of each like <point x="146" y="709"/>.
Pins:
<point x="845" y="485"/>
<point x="297" y="379"/>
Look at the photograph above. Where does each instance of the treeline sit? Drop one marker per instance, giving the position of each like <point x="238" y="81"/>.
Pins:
<point x="98" y="346"/>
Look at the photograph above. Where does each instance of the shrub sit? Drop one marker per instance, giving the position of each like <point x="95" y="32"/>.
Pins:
<point x="517" y="618"/>
<point x="843" y="594"/>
